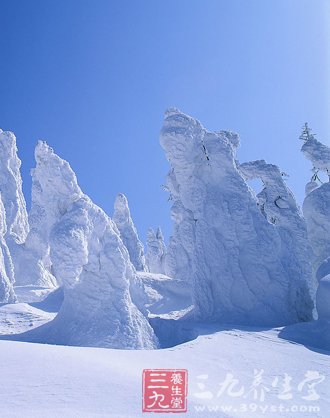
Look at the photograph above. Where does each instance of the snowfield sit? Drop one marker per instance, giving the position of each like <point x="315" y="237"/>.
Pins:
<point x="239" y="297"/>
<point x="57" y="381"/>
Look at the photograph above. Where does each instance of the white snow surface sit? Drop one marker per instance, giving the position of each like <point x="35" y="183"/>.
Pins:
<point x="54" y="381"/>
<point x="128" y="233"/>
<point x="240" y="263"/>
<point x="156" y="251"/>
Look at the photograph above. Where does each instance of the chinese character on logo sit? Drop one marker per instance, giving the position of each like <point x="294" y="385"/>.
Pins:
<point x="165" y="390"/>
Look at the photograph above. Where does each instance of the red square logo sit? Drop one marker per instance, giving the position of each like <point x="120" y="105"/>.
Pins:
<point x="165" y="390"/>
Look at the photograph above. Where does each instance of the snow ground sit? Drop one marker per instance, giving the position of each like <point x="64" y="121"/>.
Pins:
<point x="57" y="381"/>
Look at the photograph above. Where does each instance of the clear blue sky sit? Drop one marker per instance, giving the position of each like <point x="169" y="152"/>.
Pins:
<point x="93" y="78"/>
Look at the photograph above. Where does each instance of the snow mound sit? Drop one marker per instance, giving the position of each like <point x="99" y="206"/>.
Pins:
<point x="128" y="232"/>
<point x="240" y="263"/>
<point x="166" y="297"/>
<point x="20" y="317"/>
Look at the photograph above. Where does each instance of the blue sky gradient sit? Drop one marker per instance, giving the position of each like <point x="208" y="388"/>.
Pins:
<point x="93" y="79"/>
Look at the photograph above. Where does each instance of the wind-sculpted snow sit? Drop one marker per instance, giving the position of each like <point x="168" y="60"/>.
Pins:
<point x="14" y="212"/>
<point x="128" y="232"/>
<point x="237" y="256"/>
<point x="90" y="260"/>
<point x="316" y="206"/>
<point x="11" y="189"/>
<point x="277" y="203"/>
<point x="54" y="187"/>
<point x="156" y="251"/>
<point x="317" y="153"/>
<point x="7" y="294"/>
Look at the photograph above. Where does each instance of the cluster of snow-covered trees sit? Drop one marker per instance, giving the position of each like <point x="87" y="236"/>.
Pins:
<point x="247" y="258"/>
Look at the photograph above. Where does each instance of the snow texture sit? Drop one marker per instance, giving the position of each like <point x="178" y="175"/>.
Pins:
<point x="55" y="381"/>
<point x="239" y="259"/>
<point x="11" y="190"/>
<point x="156" y="251"/>
<point x="6" y="266"/>
<point x="316" y="206"/>
<point x="54" y="186"/>
<point x="317" y="153"/>
<point x="90" y="260"/>
<point x="128" y="233"/>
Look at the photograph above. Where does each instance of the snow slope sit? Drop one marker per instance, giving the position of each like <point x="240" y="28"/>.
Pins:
<point x="59" y="381"/>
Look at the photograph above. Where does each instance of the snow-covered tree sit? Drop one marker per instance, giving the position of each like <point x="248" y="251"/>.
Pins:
<point x="11" y="189"/>
<point x="16" y="218"/>
<point x="156" y="251"/>
<point x="240" y="270"/>
<point x="316" y="206"/>
<point x="102" y="298"/>
<point x="7" y="294"/>
<point x="128" y="232"/>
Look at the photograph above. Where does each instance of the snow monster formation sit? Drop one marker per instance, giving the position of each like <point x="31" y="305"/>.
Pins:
<point x="128" y="233"/>
<point x="235" y="255"/>
<point x="316" y="206"/>
<point x="14" y="225"/>
<point x="156" y="251"/>
<point x="11" y="190"/>
<point x="7" y="279"/>
<point x="90" y="260"/>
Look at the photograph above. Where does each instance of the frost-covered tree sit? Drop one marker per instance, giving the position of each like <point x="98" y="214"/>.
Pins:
<point x="16" y="218"/>
<point x="237" y="258"/>
<point x="7" y="294"/>
<point x="49" y="197"/>
<point x="11" y="189"/>
<point x="102" y="295"/>
<point x="316" y="206"/>
<point x="128" y="232"/>
<point x="156" y="251"/>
